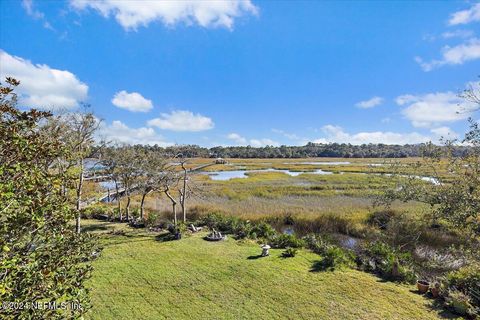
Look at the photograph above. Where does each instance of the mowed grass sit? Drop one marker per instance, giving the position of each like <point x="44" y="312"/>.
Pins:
<point x="139" y="277"/>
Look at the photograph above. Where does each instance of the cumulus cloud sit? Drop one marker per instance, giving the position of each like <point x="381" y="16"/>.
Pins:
<point x="239" y="140"/>
<point x="134" y="101"/>
<point x="444" y="132"/>
<point x="370" y="103"/>
<point x="119" y="132"/>
<point x="434" y="108"/>
<point x="465" y="16"/>
<point x="130" y="14"/>
<point x="263" y="142"/>
<point x="181" y="120"/>
<point x="337" y="134"/>
<point x="42" y="86"/>
<point x="457" y="55"/>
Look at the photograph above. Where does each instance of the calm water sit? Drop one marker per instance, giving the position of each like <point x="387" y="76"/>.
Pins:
<point x="227" y="175"/>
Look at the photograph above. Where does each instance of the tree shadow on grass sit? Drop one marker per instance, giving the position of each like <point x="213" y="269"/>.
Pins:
<point x="95" y="227"/>
<point x="164" y="237"/>
<point x="442" y="312"/>
<point x="319" y="266"/>
<point x="258" y="256"/>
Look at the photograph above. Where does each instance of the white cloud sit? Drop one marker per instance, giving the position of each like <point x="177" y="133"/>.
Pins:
<point x="458" y="34"/>
<point x="456" y="55"/>
<point x="134" y="101"/>
<point x="444" y="132"/>
<point x="31" y="11"/>
<point x="337" y="134"/>
<point x="131" y="14"/>
<point x="386" y="120"/>
<point x="370" y="103"/>
<point x="239" y="140"/>
<point x="120" y="132"/>
<point x="181" y="120"/>
<point x="263" y="142"/>
<point x="42" y="86"/>
<point x="465" y="16"/>
<point x="434" y="108"/>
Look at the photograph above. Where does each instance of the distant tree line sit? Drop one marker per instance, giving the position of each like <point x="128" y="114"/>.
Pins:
<point x="332" y="150"/>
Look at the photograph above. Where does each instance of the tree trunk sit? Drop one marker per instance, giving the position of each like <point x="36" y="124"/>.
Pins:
<point x="127" y="207"/>
<point x="174" y="205"/>
<point x="184" y="194"/>
<point x="117" y="196"/>
<point x="142" y="203"/>
<point x="79" y="197"/>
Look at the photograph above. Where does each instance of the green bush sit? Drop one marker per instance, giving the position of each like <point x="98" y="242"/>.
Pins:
<point x="289" y="253"/>
<point x="263" y="230"/>
<point x="466" y="280"/>
<point x="381" y="219"/>
<point x="335" y="257"/>
<point x="151" y="219"/>
<point x="389" y="263"/>
<point x="317" y="244"/>
<point x="287" y="241"/>
<point x="460" y="303"/>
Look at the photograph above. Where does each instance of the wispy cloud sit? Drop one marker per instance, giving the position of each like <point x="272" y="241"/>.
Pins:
<point x="370" y="103"/>
<point x="242" y="141"/>
<point x="36" y="14"/>
<point x="456" y="55"/>
<point x="465" y="16"/>
<point x="338" y="134"/>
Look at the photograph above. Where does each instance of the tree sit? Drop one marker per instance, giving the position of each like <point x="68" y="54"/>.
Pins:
<point x="42" y="258"/>
<point x="129" y="171"/>
<point x="152" y="166"/>
<point x="454" y="195"/>
<point x="77" y="132"/>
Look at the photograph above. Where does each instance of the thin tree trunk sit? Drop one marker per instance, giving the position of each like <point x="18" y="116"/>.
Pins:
<point x="184" y="193"/>
<point x="79" y="197"/>
<point x="117" y="196"/>
<point x="142" y="204"/>
<point x="127" y="207"/>
<point x="174" y="205"/>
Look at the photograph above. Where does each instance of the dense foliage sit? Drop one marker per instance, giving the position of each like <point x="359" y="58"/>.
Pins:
<point x="42" y="258"/>
<point x="332" y="150"/>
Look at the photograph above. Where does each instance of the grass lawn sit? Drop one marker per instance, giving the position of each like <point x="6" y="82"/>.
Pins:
<point x="140" y="277"/>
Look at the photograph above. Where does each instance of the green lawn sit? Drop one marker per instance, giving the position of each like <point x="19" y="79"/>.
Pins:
<point x="139" y="277"/>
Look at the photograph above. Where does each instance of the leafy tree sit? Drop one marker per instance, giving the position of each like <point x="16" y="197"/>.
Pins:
<point x="42" y="258"/>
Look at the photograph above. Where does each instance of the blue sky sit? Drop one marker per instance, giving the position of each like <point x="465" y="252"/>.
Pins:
<point x="249" y="72"/>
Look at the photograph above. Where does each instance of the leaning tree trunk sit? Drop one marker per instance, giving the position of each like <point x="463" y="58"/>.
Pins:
<point x="127" y="207"/>
<point x="79" y="197"/>
<point x="142" y="204"/>
<point x="174" y="205"/>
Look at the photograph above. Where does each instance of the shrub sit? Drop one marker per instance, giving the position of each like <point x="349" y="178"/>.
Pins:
<point x="460" y="303"/>
<point x="335" y="257"/>
<point x="151" y="219"/>
<point x="381" y="219"/>
<point x="316" y="243"/>
<point x="263" y="230"/>
<point x="287" y="241"/>
<point x="466" y="280"/>
<point x="289" y="253"/>
<point x="389" y="263"/>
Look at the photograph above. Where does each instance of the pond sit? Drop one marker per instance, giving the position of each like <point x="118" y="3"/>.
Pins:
<point x="228" y="175"/>
<point x="327" y="163"/>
